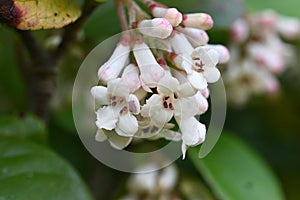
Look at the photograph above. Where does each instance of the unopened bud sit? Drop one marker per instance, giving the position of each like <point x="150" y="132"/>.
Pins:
<point x="157" y="27"/>
<point x="171" y="14"/>
<point x="223" y="52"/>
<point x="197" y="37"/>
<point x="198" y="20"/>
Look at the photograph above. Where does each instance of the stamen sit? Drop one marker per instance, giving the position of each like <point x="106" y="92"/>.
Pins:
<point x="171" y="106"/>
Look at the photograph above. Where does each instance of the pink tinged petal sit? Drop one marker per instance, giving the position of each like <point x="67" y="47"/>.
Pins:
<point x="133" y="104"/>
<point x="193" y="132"/>
<point x="185" y="108"/>
<point x="180" y="44"/>
<point x="205" y="92"/>
<point x="131" y="77"/>
<point x="157" y="27"/>
<point x="127" y="125"/>
<point x="171" y="14"/>
<point x="100" y="136"/>
<point x="167" y="85"/>
<point x="223" y="52"/>
<point x="197" y="80"/>
<point x="212" y="74"/>
<point x="117" y="87"/>
<point x="100" y="95"/>
<point x="202" y="103"/>
<point x="151" y="71"/>
<point x="195" y="36"/>
<point x="106" y="118"/>
<point x="113" y="67"/>
<point x="198" y="20"/>
<point x="117" y="141"/>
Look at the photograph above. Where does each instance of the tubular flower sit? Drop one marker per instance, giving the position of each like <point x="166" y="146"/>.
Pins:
<point x="150" y="95"/>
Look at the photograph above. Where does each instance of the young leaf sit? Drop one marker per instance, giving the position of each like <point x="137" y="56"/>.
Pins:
<point x="235" y="171"/>
<point x="29" y="171"/>
<point x="39" y="14"/>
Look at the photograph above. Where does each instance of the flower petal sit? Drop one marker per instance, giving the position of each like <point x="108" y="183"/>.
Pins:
<point x="193" y="132"/>
<point x="167" y="85"/>
<point x="117" y="87"/>
<point x="100" y="94"/>
<point x="202" y="103"/>
<point x="186" y="90"/>
<point x="197" y="80"/>
<point x="106" y="118"/>
<point x="127" y="125"/>
<point x="131" y="77"/>
<point x="118" y="142"/>
<point x="152" y="101"/>
<point x="185" y="107"/>
<point x="134" y="104"/>
<point x="212" y="74"/>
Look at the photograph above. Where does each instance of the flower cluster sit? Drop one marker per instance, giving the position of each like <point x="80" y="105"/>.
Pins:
<point x="259" y="54"/>
<point x="158" y="184"/>
<point x="156" y="80"/>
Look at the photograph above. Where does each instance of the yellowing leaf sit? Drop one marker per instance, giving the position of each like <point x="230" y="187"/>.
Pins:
<point x="45" y="14"/>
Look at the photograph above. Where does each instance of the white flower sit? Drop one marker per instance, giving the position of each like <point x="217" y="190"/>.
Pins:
<point x="197" y="37"/>
<point x="204" y="67"/>
<point x="119" y="59"/>
<point x="170" y="101"/>
<point x="193" y="132"/>
<point x="119" y="109"/>
<point x="151" y="71"/>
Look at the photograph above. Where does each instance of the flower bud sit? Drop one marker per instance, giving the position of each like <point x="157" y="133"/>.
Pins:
<point x="195" y="36"/>
<point x="223" y="52"/>
<point x="171" y="14"/>
<point x="198" y="20"/>
<point x="239" y="30"/>
<point x="157" y="27"/>
<point x="113" y="67"/>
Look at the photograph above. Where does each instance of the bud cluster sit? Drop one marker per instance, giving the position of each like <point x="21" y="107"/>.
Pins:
<point x="156" y="81"/>
<point x="259" y="54"/>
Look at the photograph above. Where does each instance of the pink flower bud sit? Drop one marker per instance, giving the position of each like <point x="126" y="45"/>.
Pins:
<point x="288" y="27"/>
<point x="196" y="37"/>
<point x="171" y="14"/>
<point x="239" y="30"/>
<point x="223" y="52"/>
<point x="198" y="20"/>
<point x="113" y="67"/>
<point x="157" y="27"/>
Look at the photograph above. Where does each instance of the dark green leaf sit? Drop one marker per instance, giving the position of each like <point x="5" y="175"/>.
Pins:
<point x="29" y="127"/>
<point x="29" y="171"/>
<point x="235" y="171"/>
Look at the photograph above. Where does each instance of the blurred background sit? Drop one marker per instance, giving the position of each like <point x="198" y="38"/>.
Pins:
<point x="268" y="124"/>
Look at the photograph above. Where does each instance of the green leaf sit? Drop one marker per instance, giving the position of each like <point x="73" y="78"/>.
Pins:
<point x="287" y="7"/>
<point x="44" y="14"/>
<point x="101" y="1"/>
<point x="29" y="171"/>
<point x="29" y="127"/>
<point x="235" y="171"/>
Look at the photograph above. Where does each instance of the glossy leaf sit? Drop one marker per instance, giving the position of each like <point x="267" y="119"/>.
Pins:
<point x="29" y="171"/>
<point x="235" y="171"/>
<point x="44" y="14"/>
<point x="29" y="127"/>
